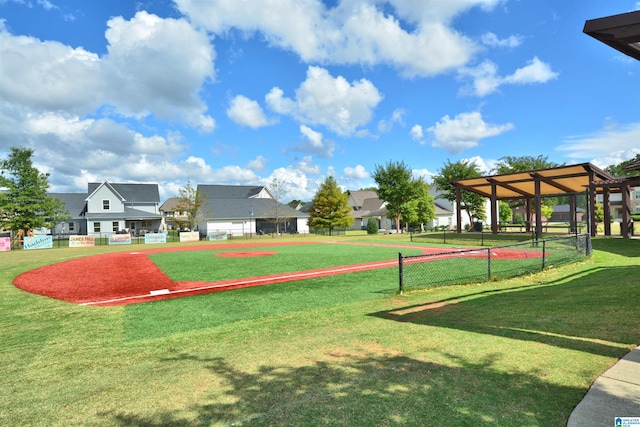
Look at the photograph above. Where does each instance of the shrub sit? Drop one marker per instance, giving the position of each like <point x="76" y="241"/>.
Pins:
<point x="372" y="226"/>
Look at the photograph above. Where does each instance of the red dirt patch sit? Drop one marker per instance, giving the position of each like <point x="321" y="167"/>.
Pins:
<point x="245" y="254"/>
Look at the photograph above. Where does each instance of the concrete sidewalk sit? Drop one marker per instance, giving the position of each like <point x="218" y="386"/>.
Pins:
<point x="616" y="393"/>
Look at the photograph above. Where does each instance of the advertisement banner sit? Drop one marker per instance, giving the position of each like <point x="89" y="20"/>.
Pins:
<point x="81" y="241"/>
<point x="150" y="238"/>
<point x="217" y="235"/>
<point x="38" y="242"/>
<point x="189" y="236"/>
<point x="120" y="239"/>
<point x="5" y="244"/>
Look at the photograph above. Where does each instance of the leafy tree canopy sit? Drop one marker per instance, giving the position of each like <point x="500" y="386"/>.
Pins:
<point x="472" y="203"/>
<point x="396" y="186"/>
<point x="192" y="203"/>
<point x="330" y="207"/>
<point x="618" y="170"/>
<point x="513" y="164"/>
<point x="420" y="210"/>
<point x="24" y="203"/>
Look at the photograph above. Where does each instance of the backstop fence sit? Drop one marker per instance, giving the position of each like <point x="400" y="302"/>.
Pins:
<point x="460" y="266"/>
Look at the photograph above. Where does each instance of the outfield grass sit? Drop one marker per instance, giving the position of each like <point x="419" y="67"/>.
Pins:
<point x="344" y="350"/>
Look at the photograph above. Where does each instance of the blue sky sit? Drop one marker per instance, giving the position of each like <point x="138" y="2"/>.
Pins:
<point x="249" y="91"/>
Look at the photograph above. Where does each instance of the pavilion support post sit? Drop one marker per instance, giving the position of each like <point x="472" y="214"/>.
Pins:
<point x="606" y="206"/>
<point x="527" y="213"/>
<point x="538" y="208"/>
<point x="458" y="209"/>
<point x="592" y="212"/>
<point x="573" y="215"/>
<point x="625" y="226"/>
<point x="494" y="210"/>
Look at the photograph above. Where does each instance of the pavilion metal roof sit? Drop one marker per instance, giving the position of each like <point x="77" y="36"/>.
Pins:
<point x="554" y="181"/>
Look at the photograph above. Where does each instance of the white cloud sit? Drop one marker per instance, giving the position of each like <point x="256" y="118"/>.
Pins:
<point x="416" y="132"/>
<point x="485" y="78"/>
<point x="609" y="146"/>
<point x="153" y="66"/>
<point x="246" y="112"/>
<point x="354" y="32"/>
<point x="257" y="164"/>
<point x="425" y="174"/>
<point x="486" y="166"/>
<point x="357" y="172"/>
<point x="329" y="101"/>
<point x="296" y="183"/>
<point x="397" y="116"/>
<point x="306" y="165"/>
<point x="314" y="143"/>
<point x="492" y="40"/>
<point x="464" y="131"/>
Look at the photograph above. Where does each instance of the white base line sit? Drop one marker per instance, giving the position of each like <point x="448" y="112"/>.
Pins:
<point x="251" y="281"/>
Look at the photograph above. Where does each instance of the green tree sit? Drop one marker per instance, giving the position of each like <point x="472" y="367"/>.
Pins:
<point x="24" y="203"/>
<point x="546" y="211"/>
<point x="421" y="210"/>
<point x="505" y="211"/>
<point x="618" y="170"/>
<point x="330" y="207"/>
<point x="372" y="226"/>
<point x="471" y="203"/>
<point x="397" y="187"/>
<point x="513" y="164"/>
<point x="191" y="202"/>
<point x="599" y="212"/>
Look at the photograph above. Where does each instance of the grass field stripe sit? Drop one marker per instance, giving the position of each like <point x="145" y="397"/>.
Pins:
<point x="274" y="279"/>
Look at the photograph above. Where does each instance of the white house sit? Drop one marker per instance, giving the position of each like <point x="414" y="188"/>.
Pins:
<point x="245" y="210"/>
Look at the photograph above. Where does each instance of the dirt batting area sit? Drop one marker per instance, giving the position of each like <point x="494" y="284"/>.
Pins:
<point x="131" y="277"/>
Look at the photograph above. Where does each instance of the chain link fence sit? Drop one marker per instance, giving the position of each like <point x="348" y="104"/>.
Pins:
<point x="460" y="266"/>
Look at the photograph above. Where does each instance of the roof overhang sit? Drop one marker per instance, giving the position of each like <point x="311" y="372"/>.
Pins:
<point x="521" y="185"/>
<point x="621" y="32"/>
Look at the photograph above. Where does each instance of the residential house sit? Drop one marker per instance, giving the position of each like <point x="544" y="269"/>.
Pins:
<point x="108" y="208"/>
<point x="173" y="214"/>
<point x="563" y="213"/>
<point x="245" y="210"/>
<point x="365" y="204"/>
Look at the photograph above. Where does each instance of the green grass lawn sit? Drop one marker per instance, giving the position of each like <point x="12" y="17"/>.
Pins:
<point x="344" y="350"/>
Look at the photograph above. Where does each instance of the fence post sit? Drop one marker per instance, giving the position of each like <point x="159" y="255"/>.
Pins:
<point x="489" y="264"/>
<point x="400" y="271"/>
<point x="445" y="235"/>
<point x="544" y="250"/>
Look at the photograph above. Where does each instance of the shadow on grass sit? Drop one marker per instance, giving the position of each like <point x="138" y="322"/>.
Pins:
<point x="594" y="311"/>
<point x="368" y="390"/>
<point x="625" y="247"/>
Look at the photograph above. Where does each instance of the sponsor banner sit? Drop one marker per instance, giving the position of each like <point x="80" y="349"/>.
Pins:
<point x="189" y="236"/>
<point x="217" y="235"/>
<point x="5" y="244"/>
<point x="155" y="238"/>
<point x="120" y="239"/>
<point x="81" y="241"/>
<point x="38" y="242"/>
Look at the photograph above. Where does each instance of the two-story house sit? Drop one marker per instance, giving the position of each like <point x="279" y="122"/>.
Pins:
<point x="109" y="208"/>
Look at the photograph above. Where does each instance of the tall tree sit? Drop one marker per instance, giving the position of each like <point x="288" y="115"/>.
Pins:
<point x="330" y="207"/>
<point x="24" y="203"/>
<point x="513" y="164"/>
<point x="396" y="186"/>
<point x="618" y="170"/>
<point x="472" y="203"/>
<point x="277" y="188"/>
<point x="421" y="210"/>
<point x="192" y="203"/>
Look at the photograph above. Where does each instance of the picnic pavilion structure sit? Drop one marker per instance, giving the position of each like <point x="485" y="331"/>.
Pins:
<point x="570" y="180"/>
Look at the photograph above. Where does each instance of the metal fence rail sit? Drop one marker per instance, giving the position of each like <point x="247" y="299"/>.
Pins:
<point x="460" y="266"/>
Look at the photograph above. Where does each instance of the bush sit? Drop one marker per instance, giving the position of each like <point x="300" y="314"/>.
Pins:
<point x="372" y="226"/>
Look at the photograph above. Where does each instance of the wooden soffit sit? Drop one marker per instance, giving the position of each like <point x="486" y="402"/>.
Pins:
<point x="553" y="182"/>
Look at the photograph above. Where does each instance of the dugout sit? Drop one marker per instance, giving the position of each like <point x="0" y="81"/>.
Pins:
<point x="530" y="186"/>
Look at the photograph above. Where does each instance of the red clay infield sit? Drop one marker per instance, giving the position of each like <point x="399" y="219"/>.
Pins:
<point x="131" y="277"/>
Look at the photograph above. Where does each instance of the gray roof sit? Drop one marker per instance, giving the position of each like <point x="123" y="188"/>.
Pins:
<point x="170" y="205"/>
<point x="359" y="196"/>
<point x="74" y="203"/>
<point x="235" y="202"/>
<point x="139" y="193"/>
<point x="564" y="208"/>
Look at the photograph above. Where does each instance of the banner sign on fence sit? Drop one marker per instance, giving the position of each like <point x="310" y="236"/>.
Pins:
<point x="155" y="238"/>
<point x="217" y="235"/>
<point x="120" y="239"/>
<point x="38" y="242"/>
<point x="5" y="244"/>
<point x="81" y="241"/>
<point x="189" y="236"/>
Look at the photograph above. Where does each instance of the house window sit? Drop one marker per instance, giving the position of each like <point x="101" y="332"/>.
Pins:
<point x="96" y="227"/>
<point x="146" y="224"/>
<point x="637" y="194"/>
<point x="115" y="226"/>
<point x="72" y="227"/>
<point x="106" y="204"/>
